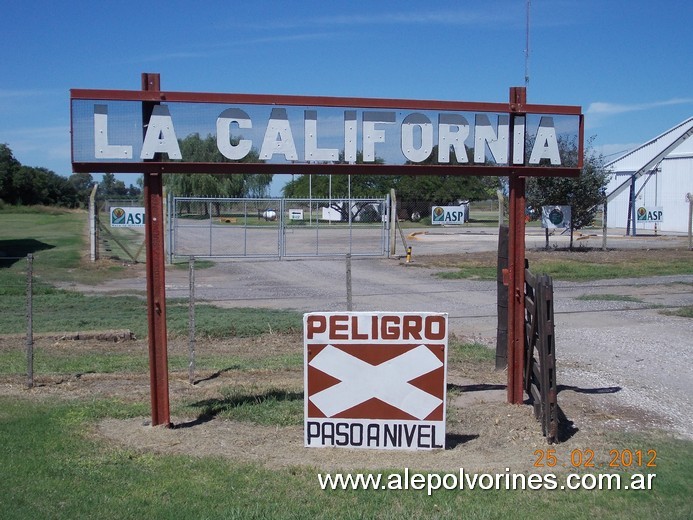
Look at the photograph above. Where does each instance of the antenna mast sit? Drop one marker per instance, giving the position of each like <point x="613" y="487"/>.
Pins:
<point x="527" y="46"/>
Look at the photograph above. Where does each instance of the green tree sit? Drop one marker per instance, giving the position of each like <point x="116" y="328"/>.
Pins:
<point x="196" y="149"/>
<point x="110" y="187"/>
<point x="82" y="183"/>
<point x="8" y="167"/>
<point x="584" y="193"/>
<point x="40" y="186"/>
<point x="443" y="189"/>
<point x="411" y="190"/>
<point x="27" y="185"/>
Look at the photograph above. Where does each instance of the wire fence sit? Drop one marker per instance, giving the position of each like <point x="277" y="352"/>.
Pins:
<point x="51" y="334"/>
<point x="119" y="227"/>
<point x="424" y="213"/>
<point x="18" y="289"/>
<point x="37" y="318"/>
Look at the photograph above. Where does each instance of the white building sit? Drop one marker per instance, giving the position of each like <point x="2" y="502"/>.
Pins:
<point x="658" y="173"/>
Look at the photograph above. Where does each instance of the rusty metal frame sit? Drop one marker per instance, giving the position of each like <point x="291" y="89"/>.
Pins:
<point x="516" y="272"/>
<point x="151" y="94"/>
<point x="518" y="106"/>
<point x="156" y="281"/>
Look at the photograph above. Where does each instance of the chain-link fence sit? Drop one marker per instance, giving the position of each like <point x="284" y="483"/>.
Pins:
<point x="119" y="229"/>
<point x="424" y="213"/>
<point x="274" y="228"/>
<point x="218" y="228"/>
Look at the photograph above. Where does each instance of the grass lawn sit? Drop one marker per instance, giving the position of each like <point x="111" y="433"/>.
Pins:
<point x="51" y="466"/>
<point x="54" y="465"/>
<point x="56" y="239"/>
<point x="570" y="266"/>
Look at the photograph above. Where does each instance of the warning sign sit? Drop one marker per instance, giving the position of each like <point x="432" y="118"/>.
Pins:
<point x="375" y="380"/>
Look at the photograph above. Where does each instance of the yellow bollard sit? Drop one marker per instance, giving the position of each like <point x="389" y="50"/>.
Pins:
<point x="408" y="254"/>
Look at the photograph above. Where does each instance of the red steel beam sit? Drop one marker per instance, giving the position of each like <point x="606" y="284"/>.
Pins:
<point x="154" y="215"/>
<point x="335" y="169"/>
<point x="156" y="282"/>
<point x="516" y="271"/>
<point x="321" y="101"/>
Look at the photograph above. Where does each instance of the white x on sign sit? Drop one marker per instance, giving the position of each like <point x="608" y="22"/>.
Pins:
<point x="387" y="381"/>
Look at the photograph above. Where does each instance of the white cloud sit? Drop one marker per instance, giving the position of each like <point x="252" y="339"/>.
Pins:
<point x="606" y="109"/>
<point x="496" y="15"/>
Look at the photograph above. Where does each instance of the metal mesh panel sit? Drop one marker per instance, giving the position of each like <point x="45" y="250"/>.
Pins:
<point x="226" y="227"/>
<point x="278" y="227"/>
<point x="120" y="238"/>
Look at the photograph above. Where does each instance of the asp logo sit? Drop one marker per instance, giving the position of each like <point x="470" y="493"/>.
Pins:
<point x="438" y="214"/>
<point x="450" y="214"/>
<point x="127" y="217"/>
<point x="645" y="214"/>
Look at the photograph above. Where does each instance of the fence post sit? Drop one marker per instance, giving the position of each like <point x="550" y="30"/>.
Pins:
<point x="501" y="198"/>
<point x="29" y="321"/>
<point x="393" y="222"/>
<point x="166" y="197"/>
<point x="604" y="224"/>
<point x="191" y="321"/>
<point x="93" y="226"/>
<point x="348" y="282"/>
<point x="689" y="198"/>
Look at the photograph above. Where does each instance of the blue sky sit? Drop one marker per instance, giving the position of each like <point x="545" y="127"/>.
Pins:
<point x="627" y="63"/>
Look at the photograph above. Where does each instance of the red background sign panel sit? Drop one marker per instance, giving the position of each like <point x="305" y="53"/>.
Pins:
<point x="432" y="382"/>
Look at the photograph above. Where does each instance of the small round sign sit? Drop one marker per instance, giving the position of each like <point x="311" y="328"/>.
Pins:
<point x="556" y="216"/>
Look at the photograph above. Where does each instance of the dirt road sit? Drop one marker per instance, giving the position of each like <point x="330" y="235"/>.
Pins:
<point x="633" y="359"/>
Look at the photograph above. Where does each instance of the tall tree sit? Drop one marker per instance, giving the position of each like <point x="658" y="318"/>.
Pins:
<point x="196" y="149"/>
<point x="82" y="183"/>
<point x="411" y="189"/>
<point x="112" y="187"/>
<point x="8" y="166"/>
<point x="27" y="185"/>
<point x="584" y="193"/>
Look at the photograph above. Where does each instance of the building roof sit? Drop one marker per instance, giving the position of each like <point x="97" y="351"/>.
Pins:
<point x="669" y="142"/>
<point x="646" y="157"/>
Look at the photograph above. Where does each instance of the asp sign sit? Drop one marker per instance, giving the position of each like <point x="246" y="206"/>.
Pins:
<point x="645" y="214"/>
<point x="444" y="215"/>
<point x="127" y="217"/>
<point x="375" y="380"/>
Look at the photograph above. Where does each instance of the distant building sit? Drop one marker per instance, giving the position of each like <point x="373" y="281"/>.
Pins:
<point x="659" y="173"/>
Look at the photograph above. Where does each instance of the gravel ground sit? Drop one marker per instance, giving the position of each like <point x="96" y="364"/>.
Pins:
<point x="631" y="358"/>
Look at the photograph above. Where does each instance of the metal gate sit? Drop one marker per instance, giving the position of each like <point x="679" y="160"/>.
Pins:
<point x="277" y="228"/>
<point x="124" y="242"/>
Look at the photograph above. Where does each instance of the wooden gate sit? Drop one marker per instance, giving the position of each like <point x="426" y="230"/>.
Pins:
<point x="540" y="358"/>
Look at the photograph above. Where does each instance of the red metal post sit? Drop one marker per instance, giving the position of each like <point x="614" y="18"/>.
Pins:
<point x="156" y="282"/>
<point x="516" y="269"/>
